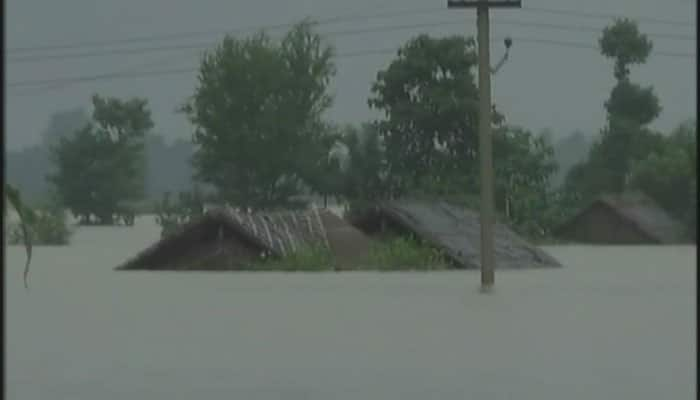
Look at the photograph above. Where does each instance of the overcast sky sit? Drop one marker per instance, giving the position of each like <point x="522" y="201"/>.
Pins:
<point x="554" y="79"/>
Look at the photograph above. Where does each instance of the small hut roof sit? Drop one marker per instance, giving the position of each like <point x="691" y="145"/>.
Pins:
<point x="642" y="212"/>
<point x="456" y="230"/>
<point x="278" y="233"/>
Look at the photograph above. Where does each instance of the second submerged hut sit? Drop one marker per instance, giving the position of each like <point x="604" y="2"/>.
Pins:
<point x="630" y="218"/>
<point x="454" y="230"/>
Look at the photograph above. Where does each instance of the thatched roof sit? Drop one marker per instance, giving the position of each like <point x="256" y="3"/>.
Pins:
<point x="274" y="233"/>
<point x="641" y="212"/>
<point x="456" y="230"/>
<point x="281" y="232"/>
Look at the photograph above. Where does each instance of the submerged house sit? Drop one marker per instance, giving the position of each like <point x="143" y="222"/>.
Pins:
<point x="454" y="230"/>
<point x="228" y="239"/>
<point x="631" y="218"/>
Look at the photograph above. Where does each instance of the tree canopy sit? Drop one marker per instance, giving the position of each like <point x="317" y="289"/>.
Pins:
<point x="257" y="114"/>
<point x="101" y="167"/>
<point x="625" y="45"/>
<point x="429" y="101"/>
<point x="630" y="108"/>
<point x="669" y="174"/>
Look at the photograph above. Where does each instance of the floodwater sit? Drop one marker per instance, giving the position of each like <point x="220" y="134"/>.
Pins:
<point x="614" y="323"/>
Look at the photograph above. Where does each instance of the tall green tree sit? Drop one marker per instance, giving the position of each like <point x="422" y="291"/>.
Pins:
<point x="429" y="102"/>
<point x="630" y="107"/>
<point x="257" y="114"/>
<point x="101" y="168"/>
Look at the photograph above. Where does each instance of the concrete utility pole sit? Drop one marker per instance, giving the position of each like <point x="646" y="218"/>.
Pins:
<point x="485" y="148"/>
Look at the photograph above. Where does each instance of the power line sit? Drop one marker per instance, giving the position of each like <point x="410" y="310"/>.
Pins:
<point x="102" y="77"/>
<point x="172" y="71"/>
<point x="181" y="35"/>
<point x="585" y="14"/>
<point x="203" y="45"/>
<point x="323" y="21"/>
<point x="177" y="71"/>
<point x="350" y="17"/>
<point x="588" y="28"/>
<point x="593" y="47"/>
<point x="131" y="69"/>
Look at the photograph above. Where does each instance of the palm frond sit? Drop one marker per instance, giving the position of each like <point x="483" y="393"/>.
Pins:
<point x="26" y="216"/>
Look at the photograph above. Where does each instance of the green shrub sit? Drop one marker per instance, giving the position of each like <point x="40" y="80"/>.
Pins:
<point x="388" y="255"/>
<point x="403" y="253"/>
<point x="312" y="258"/>
<point x="48" y="228"/>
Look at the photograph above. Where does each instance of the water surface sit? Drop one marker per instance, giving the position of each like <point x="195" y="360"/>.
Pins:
<point x="614" y="323"/>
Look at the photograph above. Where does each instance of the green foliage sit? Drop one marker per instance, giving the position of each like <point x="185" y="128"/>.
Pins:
<point x="625" y="139"/>
<point x="632" y="103"/>
<point x="429" y="100"/>
<point x="312" y="258"/>
<point x="172" y="215"/>
<point x="48" y="228"/>
<point x="100" y="169"/>
<point x="322" y="173"/>
<point x="524" y="165"/>
<point x="608" y="166"/>
<point x="548" y="214"/>
<point x="623" y="42"/>
<point x="637" y="159"/>
<point x="403" y="253"/>
<point x="669" y="175"/>
<point x="460" y="189"/>
<point x="257" y="112"/>
<point x="429" y="132"/>
<point x="363" y="178"/>
<point x="391" y="255"/>
<point x="630" y="107"/>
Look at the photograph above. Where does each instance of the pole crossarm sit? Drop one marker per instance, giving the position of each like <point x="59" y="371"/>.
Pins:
<point x="484" y="3"/>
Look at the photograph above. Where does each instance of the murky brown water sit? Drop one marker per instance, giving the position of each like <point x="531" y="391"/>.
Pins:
<point x="615" y="323"/>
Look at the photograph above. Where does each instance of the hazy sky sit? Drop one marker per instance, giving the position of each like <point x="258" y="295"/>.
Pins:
<point x="547" y="83"/>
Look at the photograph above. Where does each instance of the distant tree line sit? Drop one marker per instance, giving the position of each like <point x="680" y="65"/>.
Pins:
<point x="167" y="163"/>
